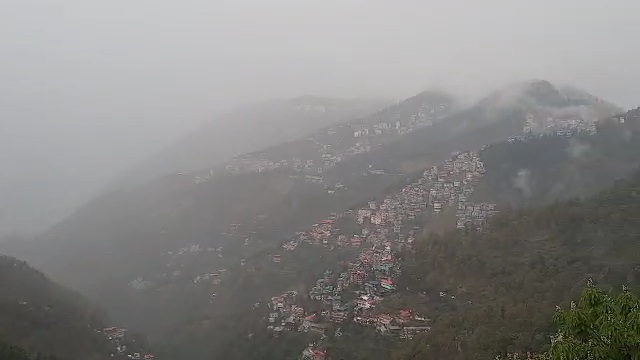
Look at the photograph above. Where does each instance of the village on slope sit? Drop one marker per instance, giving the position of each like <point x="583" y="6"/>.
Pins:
<point x="388" y="226"/>
<point x="385" y="226"/>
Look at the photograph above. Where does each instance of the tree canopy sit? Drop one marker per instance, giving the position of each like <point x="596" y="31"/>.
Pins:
<point x="598" y="327"/>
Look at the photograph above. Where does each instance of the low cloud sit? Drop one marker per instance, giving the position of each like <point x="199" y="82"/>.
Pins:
<point x="523" y="182"/>
<point x="578" y="149"/>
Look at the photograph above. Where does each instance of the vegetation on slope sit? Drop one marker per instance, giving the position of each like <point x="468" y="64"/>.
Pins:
<point x="598" y="327"/>
<point x="12" y="352"/>
<point x="45" y="318"/>
<point x="508" y="279"/>
<point x="548" y="168"/>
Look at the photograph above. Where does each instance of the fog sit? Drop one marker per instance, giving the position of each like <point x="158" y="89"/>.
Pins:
<point x="89" y="88"/>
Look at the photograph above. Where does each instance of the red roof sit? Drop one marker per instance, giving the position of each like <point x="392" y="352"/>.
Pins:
<point x="317" y="354"/>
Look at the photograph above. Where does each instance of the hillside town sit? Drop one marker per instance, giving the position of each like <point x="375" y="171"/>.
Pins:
<point x="385" y="226"/>
<point x="323" y="150"/>
<point x="549" y="123"/>
<point x="373" y="232"/>
<point x="298" y="180"/>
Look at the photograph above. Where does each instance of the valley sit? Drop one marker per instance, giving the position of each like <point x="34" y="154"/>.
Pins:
<point x="297" y="250"/>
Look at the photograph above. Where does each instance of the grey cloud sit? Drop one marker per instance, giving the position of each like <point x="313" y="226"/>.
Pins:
<point x="523" y="182"/>
<point x="88" y="88"/>
<point x="577" y="149"/>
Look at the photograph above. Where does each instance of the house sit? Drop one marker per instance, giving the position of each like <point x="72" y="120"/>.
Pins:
<point x="308" y="321"/>
<point x="339" y="316"/>
<point x="358" y="276"/>
<point x="385" y="319"/>
<point x="114" y="332"/>
<point x="313" y="353"/>
<point x="387" y="284"/>
<point x="410" y="331"/>
<point x="356" y="241"/>
<point x="394" y="329"/>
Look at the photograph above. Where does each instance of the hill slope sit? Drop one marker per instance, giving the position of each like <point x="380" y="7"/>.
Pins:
<point x="45" y="318"/>
<point x="139" y="251"/>
<point x="506" y="280"/>
<point x="249" y="128"/>
<point x="500" y="115"/>
<point x="535" y="170"/>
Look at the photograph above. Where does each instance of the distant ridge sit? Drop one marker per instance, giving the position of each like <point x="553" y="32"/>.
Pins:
<point x="249" y="128"/>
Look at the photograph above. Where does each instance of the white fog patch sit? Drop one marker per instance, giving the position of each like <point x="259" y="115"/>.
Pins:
<point x="523" y="182"/>
<point x="577" y="149"/>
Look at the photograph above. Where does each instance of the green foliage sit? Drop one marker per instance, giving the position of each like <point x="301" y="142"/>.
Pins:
<point x="509" y="278"/>
<point x="599" y="327"/>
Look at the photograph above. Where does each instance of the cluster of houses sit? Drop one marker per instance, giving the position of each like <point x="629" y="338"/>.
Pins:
<point x="403" y="324"/>
<point x="394" y="218"/>
<point x="370" y="278"/>
<point x="117" y="336"/>
<point x="382" y="227"/>
<point x="335" y="144"/>
<point x="314" y="352"/>
<point x="564" y="126"/>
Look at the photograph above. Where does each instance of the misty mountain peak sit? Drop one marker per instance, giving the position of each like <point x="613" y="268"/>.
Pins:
<point x="545" y="93"/>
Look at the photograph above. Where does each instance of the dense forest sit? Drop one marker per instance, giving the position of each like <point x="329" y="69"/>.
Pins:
<point x="502" y="285"/>
<point x="546" y="168"/>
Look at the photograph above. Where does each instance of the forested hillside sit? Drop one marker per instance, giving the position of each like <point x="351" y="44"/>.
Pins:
<point x="45" y="318"/>
<point x="534" y="170"/>
<point x="495" y="291"/>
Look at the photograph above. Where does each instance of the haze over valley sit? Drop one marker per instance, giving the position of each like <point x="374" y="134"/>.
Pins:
<point x="335" y="180"/>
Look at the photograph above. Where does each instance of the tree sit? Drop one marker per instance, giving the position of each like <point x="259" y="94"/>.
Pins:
<point x="598" y="327"/>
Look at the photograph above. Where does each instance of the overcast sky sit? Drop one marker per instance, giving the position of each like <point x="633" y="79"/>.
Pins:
<point x="87" y="87"/>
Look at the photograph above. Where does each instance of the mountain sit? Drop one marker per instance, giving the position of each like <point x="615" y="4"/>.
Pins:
<point x="463" y="280"/>
<point x="181" y="209"/>
<point x="615" y="154"/>
<point x="131" y="237"/>
<point x="184" y="256"/>
<point x="249" y="128"/>
<point x="502" y="114"/>
<point x="541" y="169"/>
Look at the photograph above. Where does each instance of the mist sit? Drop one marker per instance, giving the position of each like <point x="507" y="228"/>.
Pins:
<point x="88" y="89"/>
